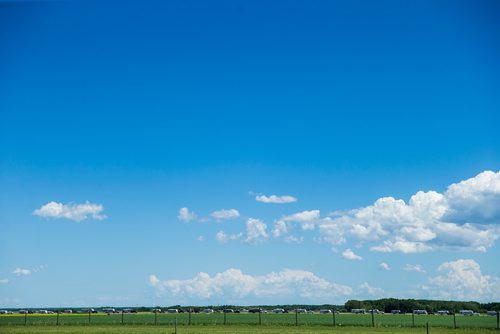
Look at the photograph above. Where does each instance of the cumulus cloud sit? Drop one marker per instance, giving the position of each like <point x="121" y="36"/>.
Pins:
<point x="275" y="199"/>
<point x="464" y="218"/>
<point x="475" y="200"/>
<point x="306" y="219"/>
<point x="234" y="285"/>
<point x="350" y="255"/>
<point x="22" y="272"/>
<point x="225" y="214"/>
<point x="304" y="216"/>
<point x="280" y="228"/>
<point x="463" y="279"/>
<point x="72" y="211"/>
<point x="256" y="230"/>
<point x="185" y="215"/>
<point x="384" y="266"/>
<point x="414" y="267"/>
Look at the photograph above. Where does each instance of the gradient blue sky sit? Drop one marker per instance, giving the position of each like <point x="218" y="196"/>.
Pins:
<point x="146" y="108"/>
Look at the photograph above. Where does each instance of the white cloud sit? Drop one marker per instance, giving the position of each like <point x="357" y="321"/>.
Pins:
<point x="72" y="211"/>
<point x="4" y="281"/>
<point x="200" y="238"/>
<point x="366" y="289"/>
<point x="349" y="254"/>
<point x="185" y="215"/>
<point x="414" y="267"/>
<point x="223" y="238"/>
<point x="275" y="199"/>
<point x="465" y="218"/>
<point x="256" y="230"/>
<point x="304" y="216"/>
<point x="280" y="228"/>
<point x="225" y="214"/>
<point x="22" y="272"/>
<point x="475" y="200"/>
<point x="234" y="285"/>
<point x="384" y="266"/>
<point x="306" y="219"/>
<point x="463" y="280"/>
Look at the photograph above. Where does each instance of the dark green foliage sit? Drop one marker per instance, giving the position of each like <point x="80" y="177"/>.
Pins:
<point x="408" y="305"/>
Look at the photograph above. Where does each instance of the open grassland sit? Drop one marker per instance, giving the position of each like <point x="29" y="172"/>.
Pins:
<point x="229" y="329"/>
<point x="288" y="320"/>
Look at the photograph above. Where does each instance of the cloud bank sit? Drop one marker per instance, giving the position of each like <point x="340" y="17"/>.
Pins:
<point x="464" y="218"/>
<point x="234" y="285"/>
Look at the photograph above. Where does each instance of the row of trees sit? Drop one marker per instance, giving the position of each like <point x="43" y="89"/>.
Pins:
<point x="408" y="305"/>
<point x="386" y="305"/>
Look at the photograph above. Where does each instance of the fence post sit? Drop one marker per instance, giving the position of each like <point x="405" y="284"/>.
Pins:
<point x="156" y="313"/>
<point x="498" y="320"/>
<point x="454" y="320"/>
<point x="224" y="316"/>
<point x="427" y="327"/>
<point x="122" y="317"/>
<point x="25" y="317"/>
<point x="189" y="321"/>
<point x="373" y="318"/>
<point x="413" y="318"/>
<point x="333" y="314"/>
<point x="89" y="316"/>
<point x="175" y="325"/>
<point x="296" y="317"/>
<point x="57" y="319"/>
<point x="260" y="319"/>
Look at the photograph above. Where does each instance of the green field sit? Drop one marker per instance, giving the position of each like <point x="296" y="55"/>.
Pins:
<point x="229" y="329"/>
<point x="219" y="319"/>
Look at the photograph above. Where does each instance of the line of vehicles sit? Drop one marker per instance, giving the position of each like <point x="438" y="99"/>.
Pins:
<point x="112" y="310"/>
<point x="422" y="312"/>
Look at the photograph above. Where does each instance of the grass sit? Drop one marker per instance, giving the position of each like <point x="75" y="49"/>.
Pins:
<point x="228" y="329"/>
<point x="318" y="320"/>
<point x="321" y="322"/>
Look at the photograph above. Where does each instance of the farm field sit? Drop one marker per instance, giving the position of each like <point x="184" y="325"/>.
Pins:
<point x="228" y="329"/>
<point x="289" y="320"/>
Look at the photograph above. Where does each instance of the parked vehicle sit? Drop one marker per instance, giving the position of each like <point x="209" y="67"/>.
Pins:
<point x="358" y="311"/>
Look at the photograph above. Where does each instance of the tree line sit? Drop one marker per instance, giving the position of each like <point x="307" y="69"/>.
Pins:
<point x="408" y="305"/>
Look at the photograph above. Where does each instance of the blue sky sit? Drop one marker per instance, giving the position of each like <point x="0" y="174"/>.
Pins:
<point x="135" y="140"/>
